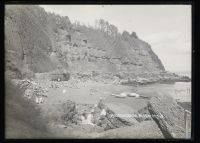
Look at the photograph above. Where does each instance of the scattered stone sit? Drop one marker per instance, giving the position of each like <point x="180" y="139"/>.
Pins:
<point x="143" y="115"/>
<point x="39" y="100"/>
<point x="89" y="119"/>
<point x="63" y="91"/>
<point x="103" y="112"/>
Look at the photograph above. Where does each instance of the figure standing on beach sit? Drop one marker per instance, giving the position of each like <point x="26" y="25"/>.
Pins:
<point x="101" y="104"/>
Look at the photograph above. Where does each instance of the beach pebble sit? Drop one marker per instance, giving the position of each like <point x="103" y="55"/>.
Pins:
<point x="103" y="112"/>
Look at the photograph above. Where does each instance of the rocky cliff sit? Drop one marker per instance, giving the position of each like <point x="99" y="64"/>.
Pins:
<point x="38" y="42"/>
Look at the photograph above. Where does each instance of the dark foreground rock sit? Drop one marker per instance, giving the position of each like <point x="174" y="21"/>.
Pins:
<point x="112" y="120"/>
<point x="23" y="119"/>
<point x="168" y="115"/>
<point x="144" y="130"/>
<point x="69" y="112"/>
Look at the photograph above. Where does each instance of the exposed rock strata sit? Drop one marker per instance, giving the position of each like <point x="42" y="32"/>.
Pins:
<point x="37" y="42"/>
<point x="168" y="115"/>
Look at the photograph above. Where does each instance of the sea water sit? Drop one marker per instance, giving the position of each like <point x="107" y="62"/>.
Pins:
<point x="180" y="91"/>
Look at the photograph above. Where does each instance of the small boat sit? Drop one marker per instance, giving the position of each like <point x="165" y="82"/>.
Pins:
<point x="122" y="95"/>
<point x="133" y="95"/>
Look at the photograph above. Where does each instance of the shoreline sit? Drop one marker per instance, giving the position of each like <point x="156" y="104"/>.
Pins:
<point x="185" y="105"/>
<point x="88" y="93"/>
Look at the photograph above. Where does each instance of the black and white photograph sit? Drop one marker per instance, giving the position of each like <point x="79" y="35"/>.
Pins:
<point x="98" y="71"/>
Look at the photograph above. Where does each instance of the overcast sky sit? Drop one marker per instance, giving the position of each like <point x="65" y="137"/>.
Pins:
<point x="167" y="28"/>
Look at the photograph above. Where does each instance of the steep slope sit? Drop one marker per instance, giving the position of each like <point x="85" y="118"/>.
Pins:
<point x="23" y="118"/>
<point x="29" y="39"/>
<point x="126" y="53"/>
<point x="38" y="42"/>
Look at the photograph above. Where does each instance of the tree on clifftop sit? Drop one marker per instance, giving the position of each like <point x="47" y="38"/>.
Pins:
<point x="104" y="26"/>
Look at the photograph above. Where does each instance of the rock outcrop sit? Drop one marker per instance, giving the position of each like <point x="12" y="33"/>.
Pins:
<point x="168" y="115"/>
<point x="38" y="42"/>
<point x="69" y="112"/>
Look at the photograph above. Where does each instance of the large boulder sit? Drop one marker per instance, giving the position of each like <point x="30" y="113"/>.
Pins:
<point x="69" y="112"/>
<point x="111" y="119"/>
<point x="168" y="115"/>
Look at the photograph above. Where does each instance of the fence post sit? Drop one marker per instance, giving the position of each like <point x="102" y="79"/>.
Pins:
<point x="186" y="112"/>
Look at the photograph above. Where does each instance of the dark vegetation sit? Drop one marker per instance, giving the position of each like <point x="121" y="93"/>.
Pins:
<point x="23" y="118"/>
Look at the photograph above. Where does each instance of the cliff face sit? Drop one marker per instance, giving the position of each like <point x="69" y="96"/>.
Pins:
<point x="27" y="39"/>
<point x="37" y="41"/>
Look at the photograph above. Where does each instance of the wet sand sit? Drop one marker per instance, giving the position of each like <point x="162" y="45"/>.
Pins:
<point x="90" y="92"/>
